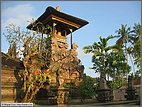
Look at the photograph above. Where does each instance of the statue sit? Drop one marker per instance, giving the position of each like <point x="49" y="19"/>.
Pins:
<point x="131" y="92"/>
<point x="130" y="81"/>
<point x="104" y="94"/>
<point x="102" y="83"/>
<point x="61" y="81"/>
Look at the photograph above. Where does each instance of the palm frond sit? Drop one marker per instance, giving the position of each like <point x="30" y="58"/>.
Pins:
<point x="87" y="49"/>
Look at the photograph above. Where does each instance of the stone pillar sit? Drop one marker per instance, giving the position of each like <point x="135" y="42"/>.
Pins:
<point x="131" y="92"/>
<point x="104" y="94"/>
<point x="61" y="98"/>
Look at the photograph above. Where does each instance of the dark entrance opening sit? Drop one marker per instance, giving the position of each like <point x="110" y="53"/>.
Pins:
<point x="42" y="94"/>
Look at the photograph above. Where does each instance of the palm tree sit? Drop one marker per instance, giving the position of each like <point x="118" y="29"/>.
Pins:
<point x="100" y="51"/>
<point x="135" y="48"/>
<point x="130" y="53"/>
<point x="123" y="39"/>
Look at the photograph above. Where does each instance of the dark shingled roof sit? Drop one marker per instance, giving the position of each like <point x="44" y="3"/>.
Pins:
<point x="6" y="60"/>
<point x="51" y="11"/>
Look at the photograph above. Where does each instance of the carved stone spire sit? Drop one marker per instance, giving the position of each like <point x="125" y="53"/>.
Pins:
<point x="57" y="8"/>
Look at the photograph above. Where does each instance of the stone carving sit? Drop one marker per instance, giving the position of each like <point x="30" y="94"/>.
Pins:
<point x="65" y="61"/>
<point x="61" y="61"/>
<point x="104" y="94"/>
<point x="130" y="82"/>
<point x="131" y="92"/>
<point x="103" y="84"/>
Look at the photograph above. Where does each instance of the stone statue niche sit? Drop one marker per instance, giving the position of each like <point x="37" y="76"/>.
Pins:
<point x="131" y="92"/>
<point x="104" y="93"/>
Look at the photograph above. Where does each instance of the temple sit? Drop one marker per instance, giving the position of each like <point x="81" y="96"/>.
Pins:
<point x="67" y="69"/>
<point x="70" y="71"/>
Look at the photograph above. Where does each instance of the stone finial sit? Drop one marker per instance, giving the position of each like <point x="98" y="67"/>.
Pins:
<point x="57" y="8"/>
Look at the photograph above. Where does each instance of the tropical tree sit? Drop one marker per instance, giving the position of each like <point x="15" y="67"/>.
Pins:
<point x="109" y="59"/>
<point x="117" y="66"/>
<point x="34" y="48"/>
<point x="100" y="51"/>
<point x="123" y="34"/>
<point x="135" y="48"/>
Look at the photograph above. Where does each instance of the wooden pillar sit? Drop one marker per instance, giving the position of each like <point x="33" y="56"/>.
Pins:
<point x="71" y="38"/>
<point x="65" y="33"/>
<point x="54" y="24"/>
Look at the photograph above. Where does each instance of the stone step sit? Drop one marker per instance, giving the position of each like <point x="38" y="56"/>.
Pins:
<point x="7" y="97"/>
<point x="10" y="71"/>
<point x="9" y="87"/>
<point x="8" y="79"/>
<point x="46" y="101"/>
<point x="9" y="74"/>
<point x="7" y="92"/>
<point x="6" y="101"/>
<point x="134" y="102"/>
<point x="4" y="83"/>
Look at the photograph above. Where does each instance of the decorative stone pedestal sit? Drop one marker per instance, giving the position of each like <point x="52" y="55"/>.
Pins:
<point x="131" y="92"/>
<point x="104" y="93"/>
<point x="61" y="99"/>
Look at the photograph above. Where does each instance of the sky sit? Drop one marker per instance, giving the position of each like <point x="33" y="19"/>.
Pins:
<point x="104" y="17"/>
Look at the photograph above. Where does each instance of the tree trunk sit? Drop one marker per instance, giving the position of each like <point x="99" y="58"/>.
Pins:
<point x="127" y="58"/>
<point x="132" y="63"/>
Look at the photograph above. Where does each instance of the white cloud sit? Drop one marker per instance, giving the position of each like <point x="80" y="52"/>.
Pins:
<point x="18" y="15"/>
<point x="20" y="53"/>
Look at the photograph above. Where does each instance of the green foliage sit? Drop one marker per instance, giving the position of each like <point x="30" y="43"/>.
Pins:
<point x="56" y="67"/>
<point x="107" y="58"/>
<point x="129" y="41"/>
<point x="112" y="59"/>
<point x="135" y="47"/>
<point x="42" y="77"/>
<point x="116" y="65"/>
<point x="87" y="87"/>
<point x="69" y="89"/>
<point x="117" y="84"/>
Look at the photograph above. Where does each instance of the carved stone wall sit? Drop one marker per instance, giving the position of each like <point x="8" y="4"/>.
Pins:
<point x="11" y="80"/>
<point x="65" y="62"/>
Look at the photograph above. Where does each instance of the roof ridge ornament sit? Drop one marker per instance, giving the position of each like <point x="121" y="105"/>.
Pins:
<point x="57" y="8"/>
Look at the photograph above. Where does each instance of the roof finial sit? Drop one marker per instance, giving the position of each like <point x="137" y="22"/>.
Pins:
<point x="57" y="8"/>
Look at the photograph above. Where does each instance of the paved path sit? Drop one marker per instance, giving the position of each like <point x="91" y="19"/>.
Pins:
<point x="120" y="103"/>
